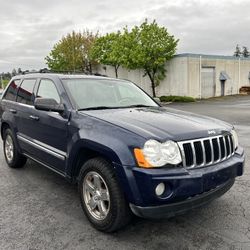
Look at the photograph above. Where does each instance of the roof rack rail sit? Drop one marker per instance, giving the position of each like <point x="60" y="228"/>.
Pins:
<point x="26" y="72"/>
<point x="69" y="72"/>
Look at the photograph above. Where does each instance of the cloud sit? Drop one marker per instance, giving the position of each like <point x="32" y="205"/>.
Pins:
<point x="30" y="42"/>
<point x="29" y="29"/>
<point x="213" y="27"/>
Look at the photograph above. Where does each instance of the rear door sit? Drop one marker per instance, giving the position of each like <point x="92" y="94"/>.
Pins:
<point x="23" y="111"/>
<point x="8" y="104"/>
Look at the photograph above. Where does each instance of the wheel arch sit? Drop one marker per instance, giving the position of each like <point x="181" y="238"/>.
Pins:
<point x="4" y="126"/>
<point x="83" y="152"/>
<point x="84" y="149"/>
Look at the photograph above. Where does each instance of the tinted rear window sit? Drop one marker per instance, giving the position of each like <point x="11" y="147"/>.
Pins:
<point x="12" y="90"/>
<point x="25" y="91"/>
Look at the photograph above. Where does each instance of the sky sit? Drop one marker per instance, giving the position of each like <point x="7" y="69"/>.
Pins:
<point x="30" y="28"/>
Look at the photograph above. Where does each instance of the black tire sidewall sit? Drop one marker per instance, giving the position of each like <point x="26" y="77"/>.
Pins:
<point x="109" y="177"/>
<point x="6" y="133"/>
<point x="18" y="159"/>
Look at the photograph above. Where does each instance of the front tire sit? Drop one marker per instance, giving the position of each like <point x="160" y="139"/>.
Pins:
<point x="101" y="197"/>
<point x="13" y="158"/>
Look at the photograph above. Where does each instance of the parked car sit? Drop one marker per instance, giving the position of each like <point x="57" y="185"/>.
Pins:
<point x="127" y="154"/>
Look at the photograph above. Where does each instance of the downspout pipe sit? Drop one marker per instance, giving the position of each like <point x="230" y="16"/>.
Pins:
<point x="238" y="87"/>
<point x="200" y="77"/>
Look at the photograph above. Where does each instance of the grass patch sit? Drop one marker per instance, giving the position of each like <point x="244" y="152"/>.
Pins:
<point x="4" y="83"/>
<point x="173" y="98"/>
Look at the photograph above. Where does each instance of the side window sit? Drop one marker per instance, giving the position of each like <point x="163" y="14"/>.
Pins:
<point x="12" y="90"/>
<point x="25" y="91"/>
<point x="47" y="89"/>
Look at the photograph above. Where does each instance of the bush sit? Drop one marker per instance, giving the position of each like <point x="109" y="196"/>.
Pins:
<point x="173" y="98"/>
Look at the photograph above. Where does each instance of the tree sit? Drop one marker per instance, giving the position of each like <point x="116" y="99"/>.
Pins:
<point x="14" y="73"/>
<point x="108" y="50"/>
<point x="148" y="47"/>
<point x="72" y="52"/>
<point x="245" y="52"/>
<point x="237" y="52"/>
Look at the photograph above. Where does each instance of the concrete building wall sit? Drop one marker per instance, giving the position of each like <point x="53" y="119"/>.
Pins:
<point x="176" y="81"/>
<point x="224" y="65"/>
<point x="193" y="77"/>
<point x="184" y="75"/>
<point x="135" y="76"/>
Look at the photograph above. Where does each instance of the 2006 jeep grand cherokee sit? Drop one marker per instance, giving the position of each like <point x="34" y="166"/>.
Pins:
<point x="126" y="152"/>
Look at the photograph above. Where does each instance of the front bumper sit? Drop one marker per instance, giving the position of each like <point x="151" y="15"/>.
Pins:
<point x="170" y="210"/>
<point x="186" y="188"/>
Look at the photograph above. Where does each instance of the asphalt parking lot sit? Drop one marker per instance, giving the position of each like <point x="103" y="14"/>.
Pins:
<point x="40" y="210"/>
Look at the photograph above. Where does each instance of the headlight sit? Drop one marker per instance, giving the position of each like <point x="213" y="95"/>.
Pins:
<point x="235" y="139"/>
<point x="156" y="154"/>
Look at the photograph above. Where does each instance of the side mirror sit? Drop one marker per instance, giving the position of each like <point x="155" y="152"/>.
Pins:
<point x="48" y="104"/>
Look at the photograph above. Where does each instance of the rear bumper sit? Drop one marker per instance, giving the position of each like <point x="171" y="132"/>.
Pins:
<point x="170" y="210"/>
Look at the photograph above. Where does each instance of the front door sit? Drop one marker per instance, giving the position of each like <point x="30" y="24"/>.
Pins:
<point x="49" y="130"/>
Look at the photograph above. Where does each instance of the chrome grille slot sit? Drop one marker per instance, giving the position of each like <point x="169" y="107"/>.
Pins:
<point x="216" y="149"/>
<point x="222" y="148"/>
<point x="188" y="154"/>
<point x="198" y="152"/>
<point x="231" y="142"/>
<point x="206" y="151"/>
<point x="228" y="146"/>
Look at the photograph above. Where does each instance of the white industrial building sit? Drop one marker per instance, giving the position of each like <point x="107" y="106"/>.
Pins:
<point x="196" y="75"/>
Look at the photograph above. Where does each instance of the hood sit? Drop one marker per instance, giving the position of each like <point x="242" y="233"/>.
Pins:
<point x="162" y="123"/>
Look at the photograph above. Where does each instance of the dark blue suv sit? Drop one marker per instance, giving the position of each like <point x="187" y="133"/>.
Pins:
<point x="128" y="154"/>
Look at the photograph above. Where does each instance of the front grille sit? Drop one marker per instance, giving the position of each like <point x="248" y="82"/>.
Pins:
<point x="206" y="151"/>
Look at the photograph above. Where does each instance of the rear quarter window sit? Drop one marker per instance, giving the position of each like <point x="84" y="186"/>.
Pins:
<point x="11" y="92"/>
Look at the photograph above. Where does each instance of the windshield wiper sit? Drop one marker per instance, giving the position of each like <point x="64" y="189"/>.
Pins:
<point x="97" y="108"/>
<point x="120" y="107"/>
<point x="138" y="106"/>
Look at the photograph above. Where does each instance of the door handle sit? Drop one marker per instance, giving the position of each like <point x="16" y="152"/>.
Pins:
<point x="13" y="111"/>
<point x="32" y="117"/>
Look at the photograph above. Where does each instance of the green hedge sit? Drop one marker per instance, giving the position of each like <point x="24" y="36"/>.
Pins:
<point x="173" y="98"/>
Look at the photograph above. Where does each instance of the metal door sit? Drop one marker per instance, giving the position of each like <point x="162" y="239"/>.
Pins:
<point x="207" y="82"/>
<point x="222" y="88"/>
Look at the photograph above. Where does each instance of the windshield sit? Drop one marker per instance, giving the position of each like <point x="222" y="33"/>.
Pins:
<point x="106" y="93"/>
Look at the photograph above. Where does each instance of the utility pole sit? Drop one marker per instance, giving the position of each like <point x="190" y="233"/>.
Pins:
<point x="1" y="86"/>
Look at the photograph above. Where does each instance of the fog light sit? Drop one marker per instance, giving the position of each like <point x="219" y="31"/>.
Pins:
<point x="160" y="188"/>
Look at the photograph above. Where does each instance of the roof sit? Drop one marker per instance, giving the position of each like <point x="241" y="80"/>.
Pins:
<point x="61" y="76"/>
<point x="193" y="55"/>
